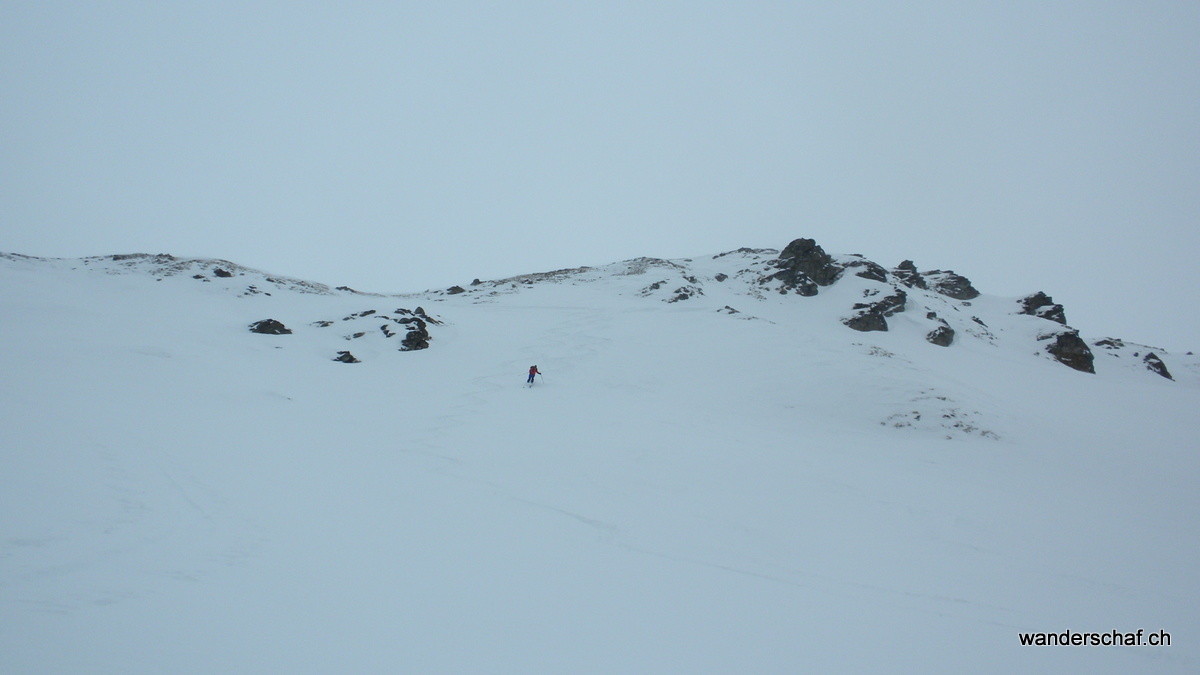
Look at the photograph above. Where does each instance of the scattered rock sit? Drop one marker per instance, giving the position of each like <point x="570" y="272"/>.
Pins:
<point x="721" y="276"/>
<point x="224" y="274"/>
<point x="1110" y="343"/>
<point x="322" y="324"/>
<point x="455" y="290"/>
<point x="1070" y="350"/>
<point x="1156" y="365"/>
<point x="476" y="282"/>
<point x="346" y="357"/>
<point x="1041" y="305"/>
<point x="652" y="287"/>
<point x="269" y="327"/>
<point x="685" y="292"/>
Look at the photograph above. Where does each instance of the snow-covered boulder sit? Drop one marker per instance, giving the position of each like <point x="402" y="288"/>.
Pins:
<point x="270" y="327"/>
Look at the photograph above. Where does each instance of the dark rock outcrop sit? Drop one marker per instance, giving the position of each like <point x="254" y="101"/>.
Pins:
<point x="867" y="321"/>
<point x="870" y="270"/>
<point x="416" y="338"/>
<point x="950" y="284"/>
<point x="908" y="275"/>
<point x="224" y="274"/>
<point x="892" y="304"/>
<point x="872" y="316"/>
<point x="269" y="327"/>
<point x="803" y="266"/>
<point x="346" y="357"/>
<point x="455" y="290"/>
<point x="1156" y="365"/>
<point x="1070" y="349"/>
<point x="1041" y="305"/>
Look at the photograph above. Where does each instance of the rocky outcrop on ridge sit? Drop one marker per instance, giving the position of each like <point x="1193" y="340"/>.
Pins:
<point x="950" y="284"/>
<point x="1041" y="305"/>
<point x="869" y="270"/>
<point x="1156" y="365"/>
<point x="163" y="266"/>
<point x="804" y="266"/>
<point x="1069" y="349"/>
<point x="870" y="292"/>
<point x="411" y="326"/>
<point x="907" y="274"/>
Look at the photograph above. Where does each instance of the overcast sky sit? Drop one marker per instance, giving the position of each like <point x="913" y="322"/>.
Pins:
<point x="397" y="146"/>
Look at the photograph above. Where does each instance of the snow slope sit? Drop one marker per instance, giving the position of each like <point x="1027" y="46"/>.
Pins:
<point x="685" y="490"/>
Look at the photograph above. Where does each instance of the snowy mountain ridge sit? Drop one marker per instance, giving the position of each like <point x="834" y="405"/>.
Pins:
<point x="872" y="294"/>
<point x="727" y="466"/>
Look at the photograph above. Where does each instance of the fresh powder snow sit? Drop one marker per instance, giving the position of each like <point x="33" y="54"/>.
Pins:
<point x="711" y="475"/>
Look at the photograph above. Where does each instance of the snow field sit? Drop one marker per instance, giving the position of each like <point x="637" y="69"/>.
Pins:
<point x="684" y="490"/>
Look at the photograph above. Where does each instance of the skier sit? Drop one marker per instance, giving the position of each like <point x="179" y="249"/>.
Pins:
<point x="533" y="371"/>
